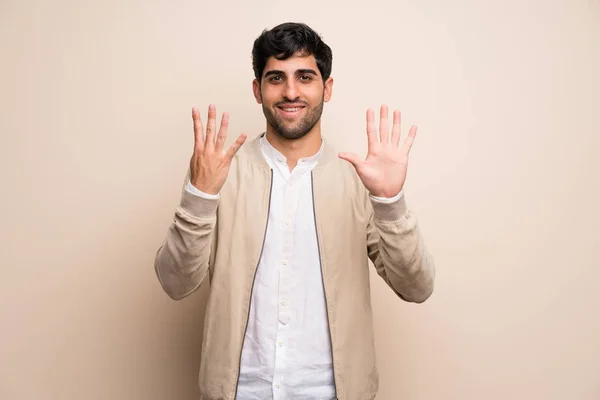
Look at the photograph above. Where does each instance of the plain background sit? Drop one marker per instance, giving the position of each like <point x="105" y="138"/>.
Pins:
<point x="97" y="135"/>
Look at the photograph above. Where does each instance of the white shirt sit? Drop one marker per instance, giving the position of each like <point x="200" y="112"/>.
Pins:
<point x="287" y="349"/>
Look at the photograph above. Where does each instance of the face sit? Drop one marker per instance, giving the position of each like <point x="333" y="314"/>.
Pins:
<point x="292" y="93"/>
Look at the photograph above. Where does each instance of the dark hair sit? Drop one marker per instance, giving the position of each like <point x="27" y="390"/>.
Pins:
<point x="287" y="39"/>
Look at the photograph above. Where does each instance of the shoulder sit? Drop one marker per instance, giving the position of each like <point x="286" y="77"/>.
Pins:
<point x="340" y="174"/>
<point x="249" y="153"/>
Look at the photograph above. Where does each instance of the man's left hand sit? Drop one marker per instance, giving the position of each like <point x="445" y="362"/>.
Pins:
<point x="383" y="172"/>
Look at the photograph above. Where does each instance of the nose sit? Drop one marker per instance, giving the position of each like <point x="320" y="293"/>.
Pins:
<point x="291" y="90"/>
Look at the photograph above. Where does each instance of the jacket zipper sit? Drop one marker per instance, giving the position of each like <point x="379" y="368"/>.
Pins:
<point x="252" y="287"/>
<point x="312" y="184"/>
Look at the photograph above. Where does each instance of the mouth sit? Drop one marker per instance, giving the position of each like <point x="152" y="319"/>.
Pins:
<point x="290" y="111"/>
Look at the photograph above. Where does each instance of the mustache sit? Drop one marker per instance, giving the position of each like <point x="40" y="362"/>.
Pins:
<point x="288" y="102"/>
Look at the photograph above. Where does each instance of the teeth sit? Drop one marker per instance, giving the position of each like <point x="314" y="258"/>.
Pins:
<point x="291" y="109"/>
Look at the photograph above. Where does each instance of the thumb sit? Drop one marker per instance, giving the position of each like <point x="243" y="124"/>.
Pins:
<point x="351" y="158"/>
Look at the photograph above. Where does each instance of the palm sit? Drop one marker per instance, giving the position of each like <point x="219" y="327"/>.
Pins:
<point x="384" y="170"/>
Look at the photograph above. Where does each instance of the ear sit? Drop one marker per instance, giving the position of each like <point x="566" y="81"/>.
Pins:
<point x="256" y="91"/>
<point x="328" y="89"/>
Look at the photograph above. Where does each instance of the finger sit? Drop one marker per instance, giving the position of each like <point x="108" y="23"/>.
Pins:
<point x="210" y="129"/>
<point x="383" y="124"/>
<point x="408" y="142"/>
<point x="233" y="149"/>
<point x="198" y="131"/>
<point x="371" y="133"/>
<point x="222" y="135"/>
<point x="396" y="128"/>
<point x="351" y="158"/>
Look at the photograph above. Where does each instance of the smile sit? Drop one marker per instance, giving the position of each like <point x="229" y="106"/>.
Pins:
<point x="290" y="111"/>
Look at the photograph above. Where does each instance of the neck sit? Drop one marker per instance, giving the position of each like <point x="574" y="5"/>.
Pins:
<point x="295" y="149"/>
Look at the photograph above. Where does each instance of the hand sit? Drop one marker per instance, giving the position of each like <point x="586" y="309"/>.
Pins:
<point x="383" y="172"/>
<point x="209" y="165"/>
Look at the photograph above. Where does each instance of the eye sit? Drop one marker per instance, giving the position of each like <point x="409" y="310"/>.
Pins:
<point x="275" y="79"/>
<point x="305" y="78"/>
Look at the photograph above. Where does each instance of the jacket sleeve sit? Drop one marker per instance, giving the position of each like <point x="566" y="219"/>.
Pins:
<point x="397" y="249"/>
<point x="182" y="260"/>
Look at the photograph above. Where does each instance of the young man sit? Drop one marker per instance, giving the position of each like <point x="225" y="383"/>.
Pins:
<point x="283" y="229"/>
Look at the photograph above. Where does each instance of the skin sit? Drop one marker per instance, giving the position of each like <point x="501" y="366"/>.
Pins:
<point x="297" y="82"/>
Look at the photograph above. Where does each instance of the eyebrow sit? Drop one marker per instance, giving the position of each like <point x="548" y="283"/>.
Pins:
<point x="299" y="71"/>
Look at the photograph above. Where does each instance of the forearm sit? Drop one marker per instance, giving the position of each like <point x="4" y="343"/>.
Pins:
<point x="399" y="252"/>
<point x="182" y="260"/>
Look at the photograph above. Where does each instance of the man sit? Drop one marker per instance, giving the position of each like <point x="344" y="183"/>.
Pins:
<point x="283" y="229"/>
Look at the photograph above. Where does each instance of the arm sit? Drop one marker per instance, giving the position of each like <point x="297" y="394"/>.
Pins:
<point x="394" y="241"/>
<point x="397" y="249"/>
<point x="183" y="259"/>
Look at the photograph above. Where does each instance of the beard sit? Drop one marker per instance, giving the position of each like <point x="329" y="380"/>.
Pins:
<point x="297" y="129"/>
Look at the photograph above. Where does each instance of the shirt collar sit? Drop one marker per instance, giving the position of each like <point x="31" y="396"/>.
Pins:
<point x="276" y="156"/>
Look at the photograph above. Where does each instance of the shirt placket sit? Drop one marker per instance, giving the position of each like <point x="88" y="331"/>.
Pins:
<point x="291" y="192"/>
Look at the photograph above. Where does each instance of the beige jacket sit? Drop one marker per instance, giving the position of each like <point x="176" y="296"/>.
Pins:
<point x="222" y="240"/>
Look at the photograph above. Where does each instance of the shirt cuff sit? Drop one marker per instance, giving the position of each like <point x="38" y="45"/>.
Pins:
<point x="192" y="189"/>
<point x="388" y="200"/>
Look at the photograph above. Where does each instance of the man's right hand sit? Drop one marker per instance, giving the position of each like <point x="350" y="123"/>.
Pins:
<point x="209" y="165"/>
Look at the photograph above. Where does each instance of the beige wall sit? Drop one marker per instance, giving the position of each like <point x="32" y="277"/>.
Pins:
<point x="96" y="137"/>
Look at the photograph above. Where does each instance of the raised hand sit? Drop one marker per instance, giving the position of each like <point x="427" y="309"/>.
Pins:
<point x="383" y="172"/>
<point x="209" y="165"/>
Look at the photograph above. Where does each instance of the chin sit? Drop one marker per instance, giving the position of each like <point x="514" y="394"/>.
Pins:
<point x="291" y="134"/>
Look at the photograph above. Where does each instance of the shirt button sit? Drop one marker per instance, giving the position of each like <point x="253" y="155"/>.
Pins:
<point x="283" y="303"/>
<point x="281" y="343"/>
<point x="285" y="262"/>
<point x="277" y="385"/>
<point x="287" y="221"/>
